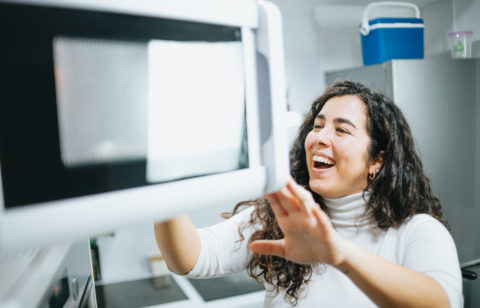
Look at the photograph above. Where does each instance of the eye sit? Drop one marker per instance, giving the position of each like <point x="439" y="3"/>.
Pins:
<point x="342" y="131"/>
<point x="317" y="126"/>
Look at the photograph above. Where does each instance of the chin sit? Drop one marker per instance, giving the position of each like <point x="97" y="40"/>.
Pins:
<point x="327" y="190"/>
<point x="320" y="187"/>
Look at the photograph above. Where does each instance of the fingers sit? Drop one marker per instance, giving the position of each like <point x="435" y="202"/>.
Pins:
<point x="323" y="220"/>
<point x="268" y="247"/>
<point x="308" y="204"/>
<point x="303" y="197"/>
<point x="291" y="198"/>
<point x="288" y="201"/>
<point x="276" y="206"/>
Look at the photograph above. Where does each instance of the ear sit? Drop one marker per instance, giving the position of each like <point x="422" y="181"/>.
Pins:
<point x="377" y="164"/>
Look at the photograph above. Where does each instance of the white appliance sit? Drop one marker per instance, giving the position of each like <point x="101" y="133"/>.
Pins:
<point x="119" y="112"/>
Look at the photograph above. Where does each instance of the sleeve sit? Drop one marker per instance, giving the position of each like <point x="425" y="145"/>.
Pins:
<point x="222" y="251"/>
<point x="428" y="247"/>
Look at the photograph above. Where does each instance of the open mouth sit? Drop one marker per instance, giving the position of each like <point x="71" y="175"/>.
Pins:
<point x="320" y="162"/>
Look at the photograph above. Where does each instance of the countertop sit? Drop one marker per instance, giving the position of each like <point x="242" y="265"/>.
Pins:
<point x="173" y="291"/>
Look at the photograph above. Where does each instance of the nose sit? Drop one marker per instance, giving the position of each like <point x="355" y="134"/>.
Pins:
<point x="324" y="136"/>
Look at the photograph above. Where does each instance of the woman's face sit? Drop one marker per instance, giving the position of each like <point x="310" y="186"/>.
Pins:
<point x="337" y="148"/>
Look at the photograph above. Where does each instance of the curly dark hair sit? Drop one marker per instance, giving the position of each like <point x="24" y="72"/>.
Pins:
<point x="400" y="189"/>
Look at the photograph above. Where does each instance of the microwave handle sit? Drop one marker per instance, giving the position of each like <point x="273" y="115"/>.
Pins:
<point x="272" y="96"/>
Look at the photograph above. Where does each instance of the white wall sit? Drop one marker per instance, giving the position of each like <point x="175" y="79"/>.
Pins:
<point x="438" y="18"/>
<point x="302" y="53"/>
<point x="339" y="38"/>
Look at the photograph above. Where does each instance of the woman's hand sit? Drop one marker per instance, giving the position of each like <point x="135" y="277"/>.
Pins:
<point x="309" y="236"/>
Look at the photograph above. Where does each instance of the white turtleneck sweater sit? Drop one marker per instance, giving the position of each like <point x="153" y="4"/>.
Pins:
<point x="421" y="243"/>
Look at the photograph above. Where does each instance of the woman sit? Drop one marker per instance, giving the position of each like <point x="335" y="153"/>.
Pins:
<point x="356" y="226"/>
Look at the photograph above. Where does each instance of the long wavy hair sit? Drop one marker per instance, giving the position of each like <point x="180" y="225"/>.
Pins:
<point x="399" y="190"/>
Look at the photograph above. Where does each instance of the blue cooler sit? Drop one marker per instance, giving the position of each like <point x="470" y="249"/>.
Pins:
<point x="384" y="39"/>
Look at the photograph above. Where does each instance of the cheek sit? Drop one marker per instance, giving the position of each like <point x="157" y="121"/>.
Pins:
<point x="354" y="155"/>
<point x="350" y="150"/>
<point x="309" y="141"/>
<point x="308" y="145"/>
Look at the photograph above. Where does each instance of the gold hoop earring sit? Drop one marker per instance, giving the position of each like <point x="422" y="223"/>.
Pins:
<point x="371" y="176"/>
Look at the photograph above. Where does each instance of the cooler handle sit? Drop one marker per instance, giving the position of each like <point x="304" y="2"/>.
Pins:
<point x="365" y="29"/>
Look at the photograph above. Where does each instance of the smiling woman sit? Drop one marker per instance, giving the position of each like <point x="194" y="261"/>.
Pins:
<point x="336" y="148"/>
<point x="356" y="226"/>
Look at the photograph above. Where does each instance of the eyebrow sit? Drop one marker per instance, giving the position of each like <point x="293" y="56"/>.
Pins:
<point x="338" y="120"/>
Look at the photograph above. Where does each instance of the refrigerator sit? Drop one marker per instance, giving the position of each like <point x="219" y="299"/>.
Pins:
<point x="440" y="97"/>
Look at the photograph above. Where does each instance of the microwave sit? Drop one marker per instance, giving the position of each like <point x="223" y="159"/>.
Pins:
<point x="114" y="113"/>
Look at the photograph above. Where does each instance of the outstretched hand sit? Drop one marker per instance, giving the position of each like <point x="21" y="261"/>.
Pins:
<point x="309" y="236"/>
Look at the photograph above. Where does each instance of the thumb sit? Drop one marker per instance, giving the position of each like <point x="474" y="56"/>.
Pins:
<point x="269" y="247"/>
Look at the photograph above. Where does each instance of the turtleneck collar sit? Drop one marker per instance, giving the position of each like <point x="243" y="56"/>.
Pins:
<point x="349" y="211"/>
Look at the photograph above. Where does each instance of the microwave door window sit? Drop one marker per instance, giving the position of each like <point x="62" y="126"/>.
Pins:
<point x="178" y="105"/>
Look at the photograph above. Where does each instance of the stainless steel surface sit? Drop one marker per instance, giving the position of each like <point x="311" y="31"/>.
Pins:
<point x="45" y="276"/>
<point x="377" y="77"/>
<point x="91" y="298"/>
<point x="74" y="286"/>
<point x="76" y="270"/>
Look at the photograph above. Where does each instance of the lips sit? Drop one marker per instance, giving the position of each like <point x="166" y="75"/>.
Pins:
<point x="322" y="162"/>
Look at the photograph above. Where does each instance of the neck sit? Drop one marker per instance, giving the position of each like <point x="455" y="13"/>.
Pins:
<point x="349" y="211"/>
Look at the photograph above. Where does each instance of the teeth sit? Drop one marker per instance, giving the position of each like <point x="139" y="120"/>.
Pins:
<point x="324" y="160"/>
